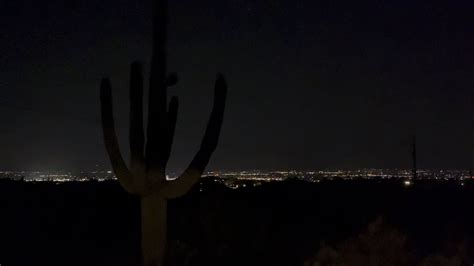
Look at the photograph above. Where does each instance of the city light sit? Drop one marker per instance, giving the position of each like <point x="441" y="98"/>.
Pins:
<point x="251" y="178"/>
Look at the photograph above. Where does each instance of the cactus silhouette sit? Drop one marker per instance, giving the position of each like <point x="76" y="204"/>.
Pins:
<point x="145" y="176"/>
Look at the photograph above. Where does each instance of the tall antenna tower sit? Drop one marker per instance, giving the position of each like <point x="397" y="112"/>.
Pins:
<point x="413" y="153"/>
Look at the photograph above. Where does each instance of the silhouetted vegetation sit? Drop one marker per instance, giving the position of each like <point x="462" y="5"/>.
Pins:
<point x="146" y="174"/>
<point x="382" y="244"/>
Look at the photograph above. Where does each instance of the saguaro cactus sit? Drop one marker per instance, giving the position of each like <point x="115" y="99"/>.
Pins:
<point x="145" y="176"/>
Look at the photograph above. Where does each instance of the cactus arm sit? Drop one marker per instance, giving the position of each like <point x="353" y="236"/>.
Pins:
<point x="136" y="134"/>
<point x="211" y="136"/>
<point x="110" y="137"/>
<point x="194" y="171"/>
<point x="172" y="117"/>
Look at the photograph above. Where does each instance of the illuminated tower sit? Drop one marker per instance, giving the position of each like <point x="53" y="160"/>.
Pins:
<point x="413" y="153"/>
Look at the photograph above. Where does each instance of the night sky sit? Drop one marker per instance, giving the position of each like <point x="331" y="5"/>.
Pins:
<point x="312" y="84"/>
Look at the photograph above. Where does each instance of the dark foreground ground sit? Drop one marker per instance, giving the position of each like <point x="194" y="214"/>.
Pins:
<point x="275" y="224"/>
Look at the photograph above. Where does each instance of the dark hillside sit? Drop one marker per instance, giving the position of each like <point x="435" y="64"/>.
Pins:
<point x="273" y="224"/>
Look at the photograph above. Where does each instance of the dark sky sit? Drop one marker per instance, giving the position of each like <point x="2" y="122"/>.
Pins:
<point x="313" y="84"/>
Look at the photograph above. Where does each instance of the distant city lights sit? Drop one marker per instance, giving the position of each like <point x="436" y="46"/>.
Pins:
<point x="238" y="179"/>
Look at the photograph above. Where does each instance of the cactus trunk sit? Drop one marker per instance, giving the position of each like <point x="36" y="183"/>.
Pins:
<point x="153" y="212"/>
